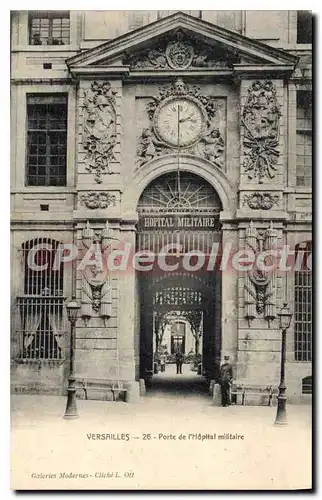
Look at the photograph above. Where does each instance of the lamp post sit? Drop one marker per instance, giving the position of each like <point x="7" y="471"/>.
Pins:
<point x="285" y="316"/>
<point x="71" y="408"/>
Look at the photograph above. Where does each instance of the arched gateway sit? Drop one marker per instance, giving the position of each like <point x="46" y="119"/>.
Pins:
<point x="179" y="224"/>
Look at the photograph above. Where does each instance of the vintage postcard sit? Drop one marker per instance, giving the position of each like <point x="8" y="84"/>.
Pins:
<point x="161" y="255"/>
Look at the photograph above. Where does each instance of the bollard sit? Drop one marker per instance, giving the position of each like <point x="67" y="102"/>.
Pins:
<point x="216" y="395"/>
<point x="142" y="387"/>
<point x="132" y="392"/>
<point x="211" y="387"/>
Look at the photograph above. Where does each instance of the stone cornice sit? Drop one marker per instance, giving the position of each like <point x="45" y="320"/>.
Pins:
<point x="43" y="81"/>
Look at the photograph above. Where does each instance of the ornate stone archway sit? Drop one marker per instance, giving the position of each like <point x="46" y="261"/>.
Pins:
<point x="165" y="165"/>
<point x="186" y="224"/>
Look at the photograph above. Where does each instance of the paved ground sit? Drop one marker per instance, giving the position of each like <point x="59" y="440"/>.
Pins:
<point x="164" y="442"/>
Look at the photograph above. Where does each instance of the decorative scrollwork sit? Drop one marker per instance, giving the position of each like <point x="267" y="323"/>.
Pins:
<point x="261" y="123"/>
<point x="96" y="286"/>
<point x="260" y="286"/>
<point x="260" y="201"/>
<point x="99" y="137"/>
<point x="181" y="52"/>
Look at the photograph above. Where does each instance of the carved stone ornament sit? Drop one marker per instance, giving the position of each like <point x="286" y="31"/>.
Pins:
<point x="98" y="200"/>
<point x="260" y="285"/>
<point x="96" y="286"/>
<point x="181" y="53"/>
<point x="261" y="201"/>
<point x="209" y="144"/>
<point x="99" y="136"/>
<point x="261" y="131"/>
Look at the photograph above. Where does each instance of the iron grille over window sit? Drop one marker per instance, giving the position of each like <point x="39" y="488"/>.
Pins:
<point x="304" y="26"/>
<point x="303" y="305"/>
<point x="307" y="385"/>
<point x="49" y="28"/>
<point x="162" y="195"/>
<point x="41" y="318"/>
<point x="304" y="138"/>
<point x="47" y="140"/>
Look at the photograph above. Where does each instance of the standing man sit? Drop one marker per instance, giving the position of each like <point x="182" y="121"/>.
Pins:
<point x="226" y="377"/>
<point x="162" y="362"/>
<point x="179" y="361"/>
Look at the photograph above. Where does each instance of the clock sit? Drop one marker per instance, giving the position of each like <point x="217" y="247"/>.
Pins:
<point x="180" y="121"/>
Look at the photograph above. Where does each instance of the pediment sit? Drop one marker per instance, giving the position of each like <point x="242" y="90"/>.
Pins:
<point x="181" y="42"/>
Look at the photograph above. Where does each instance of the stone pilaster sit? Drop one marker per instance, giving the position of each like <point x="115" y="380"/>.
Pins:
<point x="229" y="282"/>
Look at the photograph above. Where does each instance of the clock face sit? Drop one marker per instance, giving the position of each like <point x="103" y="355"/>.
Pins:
<point x="179" y="121"/>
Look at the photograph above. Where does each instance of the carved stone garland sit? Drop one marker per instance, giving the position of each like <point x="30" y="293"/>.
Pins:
<point x="98" y="199"/>
<point x="260" y="286"/>
<point x="99" y="136"/>
<point x="261" y="125"/>
<point x="260" y="201"/>
<point x="96" y="286"/>
<point x="211" y="145"/>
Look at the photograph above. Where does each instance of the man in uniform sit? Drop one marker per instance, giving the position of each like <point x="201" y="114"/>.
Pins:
<point x="179" y="362"/>
<point x="225" y="379"/>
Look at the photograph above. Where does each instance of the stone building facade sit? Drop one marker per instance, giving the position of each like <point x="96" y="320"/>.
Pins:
<point x="103" y="160"/>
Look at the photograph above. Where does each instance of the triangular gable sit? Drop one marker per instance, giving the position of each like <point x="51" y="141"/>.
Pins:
<point x="206" y="41"/>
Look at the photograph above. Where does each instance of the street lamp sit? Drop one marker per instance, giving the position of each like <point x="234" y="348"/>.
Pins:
<point x="71" y="408"/>
<point x="285" y="317"/>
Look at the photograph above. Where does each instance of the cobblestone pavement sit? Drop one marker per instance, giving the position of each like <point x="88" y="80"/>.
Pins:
<point x="174" y="438"/>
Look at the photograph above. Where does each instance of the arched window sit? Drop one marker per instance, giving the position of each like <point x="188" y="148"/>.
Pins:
<point x="303" y="303"/>
<point x="307" y="385"/>
<point x="42" y="325"/>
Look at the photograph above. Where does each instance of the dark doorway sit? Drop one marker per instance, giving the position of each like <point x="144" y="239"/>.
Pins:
<point x="174" y="228"/>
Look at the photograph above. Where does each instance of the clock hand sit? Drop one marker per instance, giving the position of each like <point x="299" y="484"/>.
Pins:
<point x="185" y="119"/>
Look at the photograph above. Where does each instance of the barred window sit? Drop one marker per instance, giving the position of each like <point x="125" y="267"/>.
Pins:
<point x="49" y="28"/>
<point x="304" y="139"/>
<point x="304" y="26"/>
<point x="307" y="385"/>
<point x="46" y="140"/>
<point x="41" y="325"/>
<point x="303" y="305"/>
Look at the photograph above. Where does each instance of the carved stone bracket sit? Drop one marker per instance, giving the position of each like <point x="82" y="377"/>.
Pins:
<point x="260" y="286"/>
<point x="98" y="200"/>
<point x="181" y="52"/>
<point x="211" y="144"/>
<point x="99" y="135"/>
<point x="96" y="285"/>
<point x="260" y="119"/>
<point x="260" y="201"/>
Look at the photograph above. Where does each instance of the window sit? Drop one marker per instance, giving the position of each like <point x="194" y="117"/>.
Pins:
<point x="304" y="26"/>
<point x="49" y="28"/>
<point x="41" y="317"/>
<point x="303" y="305"/>
<point x="46" y="140"/>
<point x="307" y="385"/>
<point x="178" y="333"/>
<point x="304" y="138"/>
